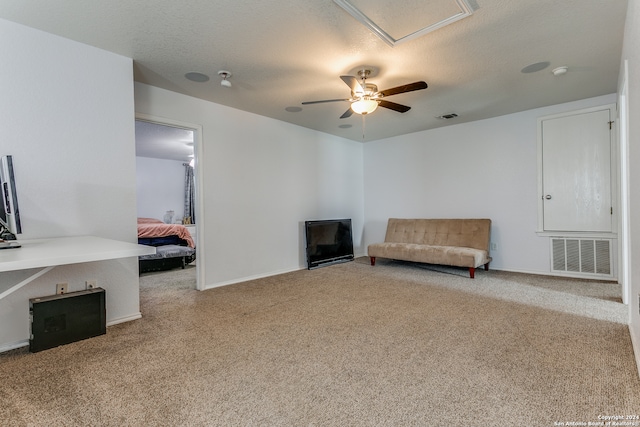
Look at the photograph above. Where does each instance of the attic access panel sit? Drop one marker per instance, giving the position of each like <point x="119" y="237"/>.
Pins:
<point x="397" y="21"/>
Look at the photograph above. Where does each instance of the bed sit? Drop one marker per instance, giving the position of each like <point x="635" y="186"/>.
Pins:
<point x="173" y="242"/>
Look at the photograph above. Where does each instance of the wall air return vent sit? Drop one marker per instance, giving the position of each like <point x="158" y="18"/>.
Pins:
<point x="581" y="257"/>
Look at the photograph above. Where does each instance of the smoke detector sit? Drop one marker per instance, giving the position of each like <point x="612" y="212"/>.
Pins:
<point x="560" y="70"/>
<point x="225" y="75"/>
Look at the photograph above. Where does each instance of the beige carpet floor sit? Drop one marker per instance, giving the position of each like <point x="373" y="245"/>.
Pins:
<point x="398" y="344"/>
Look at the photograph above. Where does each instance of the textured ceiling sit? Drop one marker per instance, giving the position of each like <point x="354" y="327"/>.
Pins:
<point x="284" y="52"/>
<point x="163" y="142"/>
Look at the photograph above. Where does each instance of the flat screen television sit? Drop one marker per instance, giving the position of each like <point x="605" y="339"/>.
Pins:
<point x="328" y="242"/>
<point x="9" y="213"/>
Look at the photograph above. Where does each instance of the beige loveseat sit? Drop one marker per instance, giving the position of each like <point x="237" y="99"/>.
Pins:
<point x="455" y="242"/>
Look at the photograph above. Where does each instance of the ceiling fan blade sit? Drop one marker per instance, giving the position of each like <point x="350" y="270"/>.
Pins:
<point x="393" y="106"/>
<point x="405" y="88"/>
<point x="347" y="113"/>
<point x="326" y="100"/>
<point x="353" y="83"/>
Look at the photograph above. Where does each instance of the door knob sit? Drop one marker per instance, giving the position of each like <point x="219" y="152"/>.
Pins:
<point x="548" y="197"/>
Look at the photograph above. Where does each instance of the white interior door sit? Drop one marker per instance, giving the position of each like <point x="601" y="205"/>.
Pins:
<point x="576" y="172"/>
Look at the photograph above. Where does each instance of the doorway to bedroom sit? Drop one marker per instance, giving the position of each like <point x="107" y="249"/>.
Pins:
<point x="167" y="199"/>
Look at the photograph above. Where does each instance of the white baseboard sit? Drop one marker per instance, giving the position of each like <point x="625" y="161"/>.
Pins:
<point x="25" y="343"/>
<point x="556" y="274"/>
<point x="635" y="345"/>
<point x="13" y="346"/>
<point x="275" y="273"/>
<point x="248" y="278"/>
<point x="136" y="316"/>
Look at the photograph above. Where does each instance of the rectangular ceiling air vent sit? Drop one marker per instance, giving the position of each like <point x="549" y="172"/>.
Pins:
<point x="396" y="25"/>
<point x="447" y="116"/>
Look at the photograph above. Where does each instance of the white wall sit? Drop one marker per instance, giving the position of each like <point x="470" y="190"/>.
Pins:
<point x="631" y="53"/>
<point x="67" y="119"/>
<point x="160" y="187"/>
<point x="483" y="169"/>
<point x="262" y="179"/>
<point x="69" y="111"/>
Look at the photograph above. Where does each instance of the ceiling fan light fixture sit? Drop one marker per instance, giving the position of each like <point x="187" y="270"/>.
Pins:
<point x="364" y="106"/>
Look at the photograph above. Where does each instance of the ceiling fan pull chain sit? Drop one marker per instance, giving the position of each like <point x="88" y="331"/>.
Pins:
<point x="363" y="126"/>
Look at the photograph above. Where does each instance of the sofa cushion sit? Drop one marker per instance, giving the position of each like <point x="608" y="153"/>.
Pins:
<point x="470" y="233"/>
<point x="432" y="254"/>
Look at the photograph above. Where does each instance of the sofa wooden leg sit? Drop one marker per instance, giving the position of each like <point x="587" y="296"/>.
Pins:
<point x="373" y="260"/>
<point x="486" y="267"/>
<point x="472" y="272"/>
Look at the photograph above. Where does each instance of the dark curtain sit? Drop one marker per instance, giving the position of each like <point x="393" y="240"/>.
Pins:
<point x="189" y="195"/>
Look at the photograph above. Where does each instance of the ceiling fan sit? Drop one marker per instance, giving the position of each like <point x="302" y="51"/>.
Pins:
<point x="365" y="97"/>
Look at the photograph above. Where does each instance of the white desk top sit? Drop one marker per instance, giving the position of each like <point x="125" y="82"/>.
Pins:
<point x="67" y="250"/>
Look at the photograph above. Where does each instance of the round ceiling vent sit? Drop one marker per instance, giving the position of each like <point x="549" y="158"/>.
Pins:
<point x="538" y="66"/>
<point x="197" y="77"/>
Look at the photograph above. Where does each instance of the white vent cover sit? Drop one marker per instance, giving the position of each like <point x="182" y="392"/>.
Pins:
<point x="581" y="256"/>
<point x="368" y="12"/>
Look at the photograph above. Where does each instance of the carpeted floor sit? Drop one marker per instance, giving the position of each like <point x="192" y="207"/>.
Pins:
<point x="398" y="344"/>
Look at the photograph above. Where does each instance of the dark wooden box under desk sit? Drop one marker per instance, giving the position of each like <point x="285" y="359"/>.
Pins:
<point x="62" y="319"/>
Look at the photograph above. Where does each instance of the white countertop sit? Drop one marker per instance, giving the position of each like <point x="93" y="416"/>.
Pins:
<point x="67" y="250"/>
